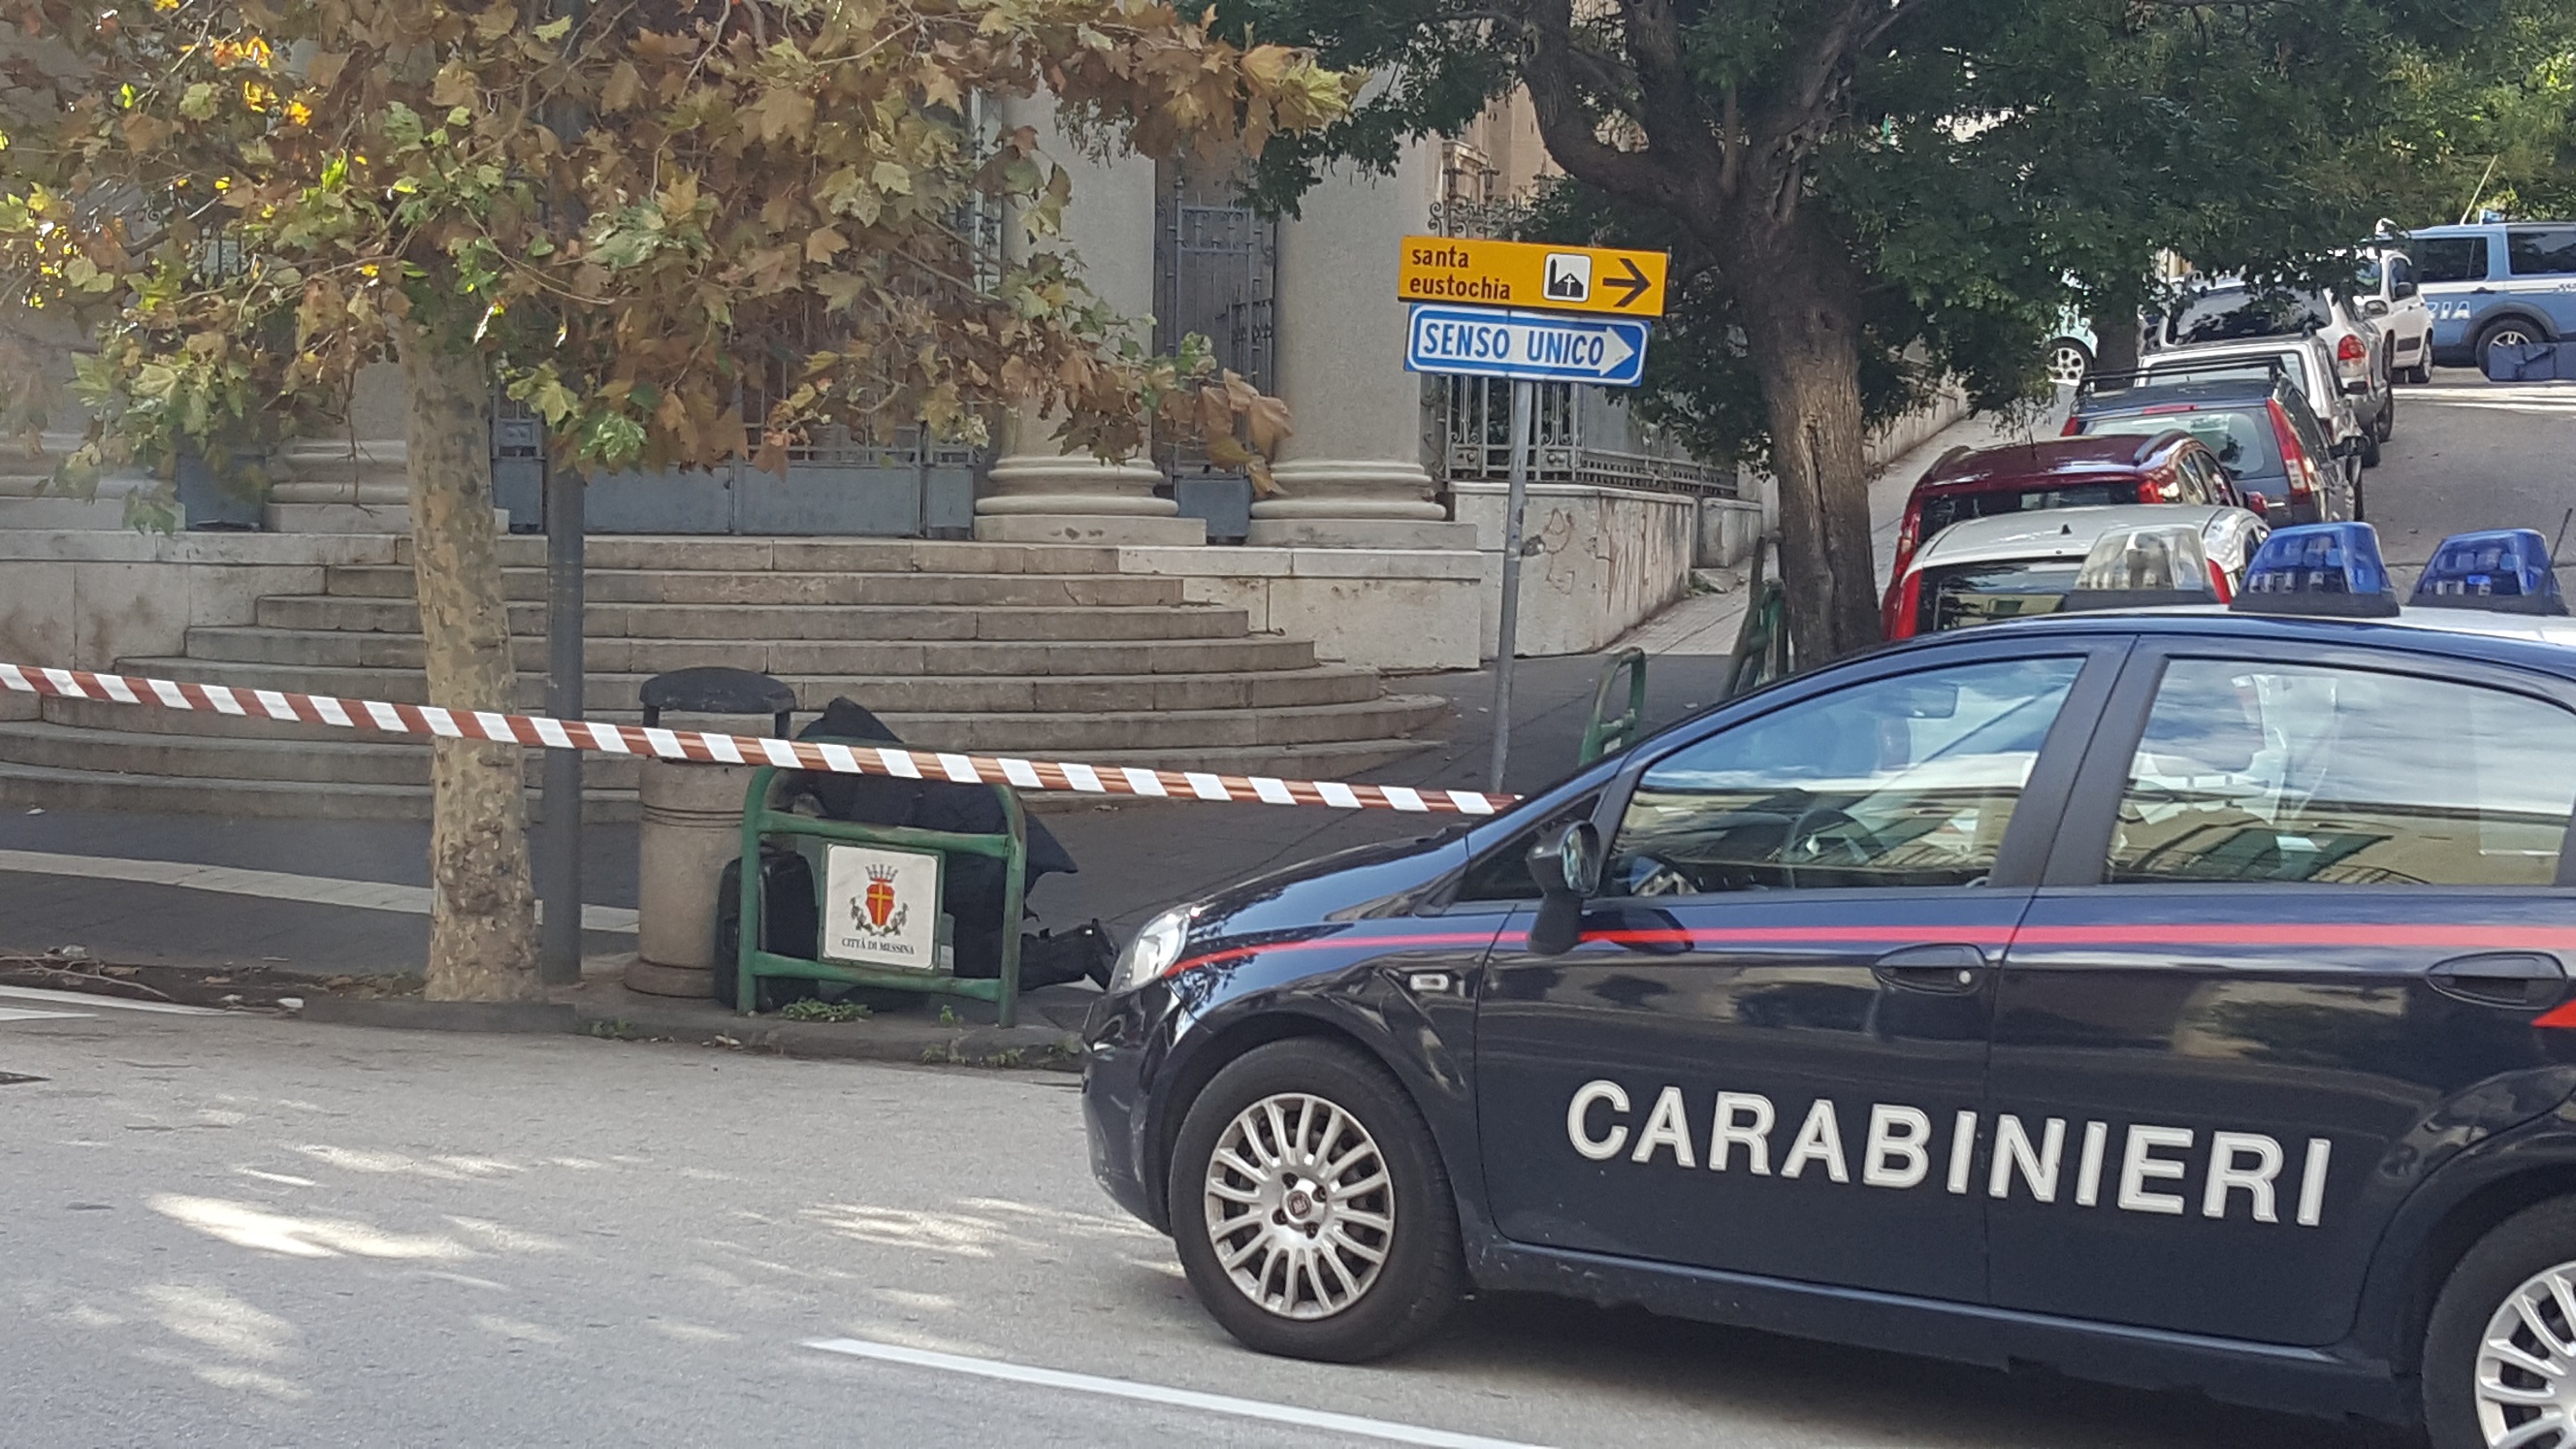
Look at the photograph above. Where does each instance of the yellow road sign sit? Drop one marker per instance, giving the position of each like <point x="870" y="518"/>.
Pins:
<point x="1464" y="271"/>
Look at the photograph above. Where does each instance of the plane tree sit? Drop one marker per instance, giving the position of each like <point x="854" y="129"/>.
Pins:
<point x="1867" y="198"/>
<point x="588" y="207"/>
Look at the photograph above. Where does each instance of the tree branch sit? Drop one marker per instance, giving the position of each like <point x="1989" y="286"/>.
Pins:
<point x="1555" y="74"/>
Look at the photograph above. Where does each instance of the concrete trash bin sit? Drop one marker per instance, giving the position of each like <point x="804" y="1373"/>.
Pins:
<point x="691" y="828"/>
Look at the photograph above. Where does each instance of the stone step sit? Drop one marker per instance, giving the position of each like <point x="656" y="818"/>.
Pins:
<point x="106" y="715"/>
<point x="252" y="797"/>
<point x="999" y="696"/>
<point x="56" y="512"/>
<point x="713" y="587"/>
<point x="778" y="621"/>
<point x="44" y="787"/>
<point x="352" y="759"/>
<point x="812" y="555"/>
<point x="782" y="657"/>
<point x="368" y="518"/>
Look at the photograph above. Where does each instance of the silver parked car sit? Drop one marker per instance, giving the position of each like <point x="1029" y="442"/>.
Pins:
<point x="2234" y="311"/>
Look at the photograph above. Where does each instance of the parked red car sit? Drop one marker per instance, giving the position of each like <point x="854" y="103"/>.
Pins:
<point x="2168" y="467"/>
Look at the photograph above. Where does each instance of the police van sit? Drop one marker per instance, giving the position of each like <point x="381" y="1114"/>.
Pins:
<point x="2495" y="284"/>
<point x="2166" y="992"/>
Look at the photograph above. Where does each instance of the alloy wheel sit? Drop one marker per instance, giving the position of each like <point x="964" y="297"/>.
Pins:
<point x="2067" y="364"/>
<point x="1299" y="1206"/>
<point x="2526" y="1365"/>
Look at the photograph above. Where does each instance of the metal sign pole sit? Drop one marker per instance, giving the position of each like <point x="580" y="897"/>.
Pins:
<point x="559" y="933"/>
<point x="1507" y="637"/>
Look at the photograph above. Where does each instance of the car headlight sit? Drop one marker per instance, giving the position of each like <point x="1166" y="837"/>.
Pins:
<point x="1152" y="950"/>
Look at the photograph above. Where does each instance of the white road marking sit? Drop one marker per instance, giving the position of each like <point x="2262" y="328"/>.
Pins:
<point x="319" y="890"/>
<point x="83" y="998"/>
<point x="989" y="1368"/>
<point x="11" y="1014"/>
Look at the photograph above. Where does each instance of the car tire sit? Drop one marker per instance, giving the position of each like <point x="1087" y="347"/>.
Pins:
<point x="2519" y="1256"/>
<point x="2069" y="361"/>
<point x="2370" y="446"/>
<point x="2388" y="415"/>
<point x="1287" y="1110"/>
<point x="2498" y="333"/>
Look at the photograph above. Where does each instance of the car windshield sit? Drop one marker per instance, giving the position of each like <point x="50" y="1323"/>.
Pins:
<point x="1983" y="593"/>
<point x="2225" y="316"/>
<point x="2240" y="436"/>
<point x="1942" y="510"/>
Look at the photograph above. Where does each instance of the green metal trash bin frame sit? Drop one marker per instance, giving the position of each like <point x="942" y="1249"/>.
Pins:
<point x="761" y="820"/>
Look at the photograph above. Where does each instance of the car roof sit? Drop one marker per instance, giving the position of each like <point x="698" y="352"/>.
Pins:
<point x="2190" y="353"/>
<point x="2541" y="642"/>
<point x="2054" y="533"/>
<point x="2249" y="391"/>
<point x="2044" y="458"/>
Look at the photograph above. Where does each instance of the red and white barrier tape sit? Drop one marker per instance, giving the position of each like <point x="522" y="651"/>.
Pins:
<point x="616" y="739"/>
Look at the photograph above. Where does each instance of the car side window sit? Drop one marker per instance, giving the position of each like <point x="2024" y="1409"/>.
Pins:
<point x="2541" y="251"/>
<point x="2451" y="259"/>
<point x="2276" y="772"/>
<point x="1904" y="781"/>
<point x="2188" y="471"/>
<point x="2312" y="433"/>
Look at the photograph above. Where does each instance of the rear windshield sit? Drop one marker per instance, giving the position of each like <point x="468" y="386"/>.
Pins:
<point x="2241" y="437"/>
<point x="1942" y="510"/>
<point x="2294" y="361"/>
<point x="1982" y="593"/>
<point x="2236" y="313"/>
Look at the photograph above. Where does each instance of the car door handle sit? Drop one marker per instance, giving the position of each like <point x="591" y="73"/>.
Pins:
<point x="2502" y="978"/>
<point x="1949" y="969"/>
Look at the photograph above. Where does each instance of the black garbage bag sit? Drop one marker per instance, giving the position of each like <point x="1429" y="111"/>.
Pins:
<point x="973" y="893"/>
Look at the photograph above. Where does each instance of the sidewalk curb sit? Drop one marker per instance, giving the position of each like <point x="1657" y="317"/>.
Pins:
<point x="878" y="1039"/>
<point x="510" y="1017"/>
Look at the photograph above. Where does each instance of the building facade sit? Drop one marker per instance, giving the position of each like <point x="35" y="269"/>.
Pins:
<point x="1381" y="542"/>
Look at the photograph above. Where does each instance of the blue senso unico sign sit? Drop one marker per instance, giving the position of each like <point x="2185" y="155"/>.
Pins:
<point x="1538" y="346"/>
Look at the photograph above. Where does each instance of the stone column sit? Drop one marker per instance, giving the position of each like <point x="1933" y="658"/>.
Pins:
<point x="1351" y="476"/>
<point x="1036" y="493"/>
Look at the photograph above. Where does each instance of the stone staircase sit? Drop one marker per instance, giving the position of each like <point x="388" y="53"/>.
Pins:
<point x="1045" y="651"/>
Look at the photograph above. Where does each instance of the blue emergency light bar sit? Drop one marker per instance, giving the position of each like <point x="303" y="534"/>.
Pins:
<point x="2319" y="568"/>
<point x="2506" y="570"/>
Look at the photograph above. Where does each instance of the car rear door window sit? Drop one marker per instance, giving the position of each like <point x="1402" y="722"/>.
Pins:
<point x="2275" y="772"/>
<point x="2541" y="251"/>
<point x="2451" y="259"/>
<point x="1906" y="781"/>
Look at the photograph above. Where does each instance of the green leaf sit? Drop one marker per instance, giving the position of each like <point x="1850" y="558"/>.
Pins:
<point x="197" y="102"/>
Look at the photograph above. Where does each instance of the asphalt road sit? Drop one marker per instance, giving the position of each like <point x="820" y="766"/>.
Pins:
<point x="222" y="1231"/>
<point x="2471" y="454"/>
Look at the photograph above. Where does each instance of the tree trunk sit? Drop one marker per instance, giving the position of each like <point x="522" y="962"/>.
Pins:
<point x="483" y="914"/>
<point x="1801" y="311"/>
<point x="2115" y="339"/>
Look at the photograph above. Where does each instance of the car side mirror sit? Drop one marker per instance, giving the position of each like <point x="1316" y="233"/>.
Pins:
<point x="2374" y="307"/>
<point x="2403" y="290"/>
<point x="2257" y="504"/>
<point x="1566" y="864"/>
